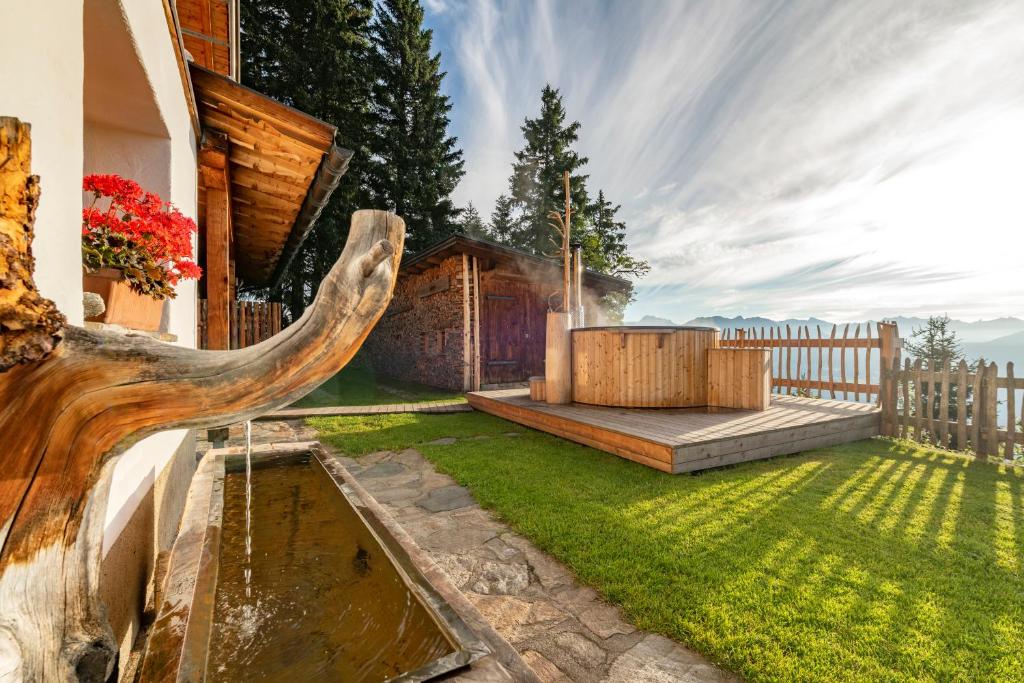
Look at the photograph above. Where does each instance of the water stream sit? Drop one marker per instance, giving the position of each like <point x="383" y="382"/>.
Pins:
<point x="248" y="508"/>
<point x="304" y="590"/>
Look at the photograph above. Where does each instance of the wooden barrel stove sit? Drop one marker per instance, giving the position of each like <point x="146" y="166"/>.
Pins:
<point x="642" y="367"/>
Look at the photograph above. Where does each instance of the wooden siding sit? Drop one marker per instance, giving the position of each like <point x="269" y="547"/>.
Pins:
<point x="637" y="367"/>
<point x="508" y="318"/>
<point x="206" y="32"/>
<point x="740" y="378"/>
<point x="691" y="439"/>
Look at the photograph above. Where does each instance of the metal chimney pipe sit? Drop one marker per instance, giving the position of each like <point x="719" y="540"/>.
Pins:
<point x="577" y="264"/>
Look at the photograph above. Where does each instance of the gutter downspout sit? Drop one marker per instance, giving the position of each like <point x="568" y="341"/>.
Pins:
<point x="328" y="175"/>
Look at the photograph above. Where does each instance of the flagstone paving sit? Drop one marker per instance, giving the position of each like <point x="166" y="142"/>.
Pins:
<point x="438" y="406"/>
<point x="563" y="630"/>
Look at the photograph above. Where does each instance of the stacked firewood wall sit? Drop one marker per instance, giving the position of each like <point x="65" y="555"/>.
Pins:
<point x="420" y="337"/>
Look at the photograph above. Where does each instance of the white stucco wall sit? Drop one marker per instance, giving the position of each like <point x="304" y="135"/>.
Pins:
<point x="149" y="138"/>
<point x="41" y="83"/>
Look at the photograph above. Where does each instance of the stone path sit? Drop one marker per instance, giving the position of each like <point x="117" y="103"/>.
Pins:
<point x="563" y="630"/>
<point x="443" y="406"/>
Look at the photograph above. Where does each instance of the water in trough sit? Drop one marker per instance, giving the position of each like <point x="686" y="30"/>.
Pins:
<point x="304" y="590"/>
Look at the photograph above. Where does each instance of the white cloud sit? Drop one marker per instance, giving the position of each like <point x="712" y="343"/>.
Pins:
<point x="807" y="158"/>
<point x="436" y="6"/>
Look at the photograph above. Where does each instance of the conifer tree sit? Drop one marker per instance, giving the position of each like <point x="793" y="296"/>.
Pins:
<point x="536" y="183"/>
<point x="936" y="342"/>
<point x="415" y="164"/>
<point x="937" y="345"/>
<point x="313" y="55"/>
<point x="604" y="241"/>
<point x="471" y="223"/>
<point x="503" y="223"/>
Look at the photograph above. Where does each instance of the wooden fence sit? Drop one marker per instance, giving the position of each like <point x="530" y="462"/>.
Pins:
<point x="954" y="407"/>
<point x="251" y="322"/>
<point x="838" y="362"/>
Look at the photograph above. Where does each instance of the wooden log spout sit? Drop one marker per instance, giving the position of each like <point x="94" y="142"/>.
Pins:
<point x="66" y="419"/>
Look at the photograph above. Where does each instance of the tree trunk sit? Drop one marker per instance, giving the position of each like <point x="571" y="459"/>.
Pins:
<point x="67" y="418"/>
<point x="30" y="325"/>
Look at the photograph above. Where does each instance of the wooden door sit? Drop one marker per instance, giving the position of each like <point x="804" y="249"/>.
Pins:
<point x="511" y="331"/>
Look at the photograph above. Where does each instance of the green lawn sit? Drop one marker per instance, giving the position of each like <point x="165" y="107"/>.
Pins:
<point x="877" y="560"/>
<point x="358" y="385"/>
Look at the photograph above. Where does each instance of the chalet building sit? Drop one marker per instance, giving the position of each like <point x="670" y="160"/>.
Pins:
<point x="468" y="312"/>
<point x="148" y="89"/>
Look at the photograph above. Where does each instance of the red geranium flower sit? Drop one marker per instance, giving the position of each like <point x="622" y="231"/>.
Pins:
<point x="136" y="232"/>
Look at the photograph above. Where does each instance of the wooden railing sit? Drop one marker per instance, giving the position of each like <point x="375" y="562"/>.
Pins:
<point x="251" y="322"/>
<point x="811" y="364"/>
<point x="954" y="407"/>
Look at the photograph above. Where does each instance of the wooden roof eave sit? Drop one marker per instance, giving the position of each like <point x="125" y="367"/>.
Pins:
<point x="333" y="166"/>
<point x="284" y="165"/>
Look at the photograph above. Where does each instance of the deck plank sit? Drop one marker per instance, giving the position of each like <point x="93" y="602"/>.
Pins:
<point x="683" y="440"/>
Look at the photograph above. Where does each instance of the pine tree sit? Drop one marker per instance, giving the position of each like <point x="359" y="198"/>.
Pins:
<point x="415" y="165"/>
<point x="936" y="342"/>
<point x="536" y="183"/>
<point x="471" y="223"/>
<point x="937" y="345"/>
<point x="604" y="241"/>
<point x="313" y="55"/>
<point x="503" y="222"/>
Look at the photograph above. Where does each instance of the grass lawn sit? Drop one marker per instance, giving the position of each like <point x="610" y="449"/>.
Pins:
<point x="876" y="560"/>
<point x="358" y="385"/>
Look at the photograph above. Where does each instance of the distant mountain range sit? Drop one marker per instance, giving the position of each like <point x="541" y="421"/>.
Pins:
<point x="999" y="340"/>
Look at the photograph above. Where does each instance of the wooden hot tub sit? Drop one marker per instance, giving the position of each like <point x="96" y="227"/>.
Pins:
<point x="642" y="367"/>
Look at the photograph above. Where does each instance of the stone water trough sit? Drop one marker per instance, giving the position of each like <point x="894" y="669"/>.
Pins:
<point x="293" y="571"/>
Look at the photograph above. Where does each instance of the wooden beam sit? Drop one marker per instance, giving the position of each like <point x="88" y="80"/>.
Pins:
<point x="214" y="170"/>
<point x="217" y="273"/>
<point x="466" y="364"/>
<point x="476" y="325"/>
<point x="99" y="392"/>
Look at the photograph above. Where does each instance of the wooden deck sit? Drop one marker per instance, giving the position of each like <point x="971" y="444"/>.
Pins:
<point x="690" y="439"/>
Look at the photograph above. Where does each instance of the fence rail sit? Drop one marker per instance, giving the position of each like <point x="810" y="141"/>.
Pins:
<point x="251" y="322"/>
<point x="837" y="363"/>
<point x="954" y="407"/>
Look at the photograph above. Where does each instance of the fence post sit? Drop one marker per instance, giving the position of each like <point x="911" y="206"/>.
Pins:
<point x="889" y="353"/>
<point x="991" y="425"/>
<point x="887" y="389"/>
<point x="978" y="410"/>
<point x="1011" y="412"/>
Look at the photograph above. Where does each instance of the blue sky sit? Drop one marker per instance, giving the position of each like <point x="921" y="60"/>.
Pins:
<point x="846" y="160"/>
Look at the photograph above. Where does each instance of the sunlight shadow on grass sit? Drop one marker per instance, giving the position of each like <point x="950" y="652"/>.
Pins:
<point x="891" y="513"/>
<point x="854" y="496"/>
<point x="923" y="514"/>
<point x="877" y="560"/>
<point x="1004" y="531"/>
<point x="663" y="507"/>
<point x="865" y="508"/>
<point x="852" y="481"/>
